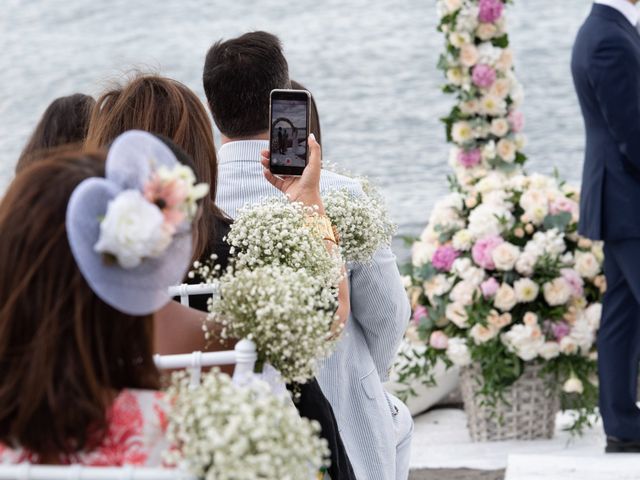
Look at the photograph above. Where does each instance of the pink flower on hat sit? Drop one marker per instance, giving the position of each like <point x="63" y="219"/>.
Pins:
<point x="168" y="196"/>
<point x="470" y="158"/>
<point x="490" y="10"/>
<point x="444" y="257"/>
<point x="483" y="75"/>
<point x="483" y="249"/>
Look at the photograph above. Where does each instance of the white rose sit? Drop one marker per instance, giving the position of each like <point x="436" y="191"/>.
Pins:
<point x="587" y="265"/>
<point x="505" y="256"/>
<point x="526" y="263"/>
<point x="500" y="127"/>
<point x="582" y="334"/>
<point x="593" y="315"/>
<point x="526" y="290"/>
<point x="486" y="31"/>
<point x="482" y="334"/>
<point x="573" y="385"/>
<point x="505" y="298"/>
<point x="568" y="345"/>
<point x="524" y="340"/>
<point x="506" y="150"/>
<point x="462" y="132"/>
<point x="500" y="88"/>
<point x="463" y="292"/>
<point x="421" y="253"/>
<point x="475" y="276"/>
<point x="468" y="55"/>
<point x="557" y="292"/>
<point x="549" y="350"/>
<point x="132" y="229"/>
<point x="462" y="240"/>
<point x="457" y="314"/>
<point x="460" y="266"/>
<point x="458" y="352"/>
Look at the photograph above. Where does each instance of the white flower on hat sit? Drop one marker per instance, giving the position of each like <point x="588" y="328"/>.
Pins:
<point x="132" y="229"/>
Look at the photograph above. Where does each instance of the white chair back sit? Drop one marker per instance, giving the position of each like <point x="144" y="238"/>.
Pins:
<point x="184" y="291"/>
<point x="27" y="471"/>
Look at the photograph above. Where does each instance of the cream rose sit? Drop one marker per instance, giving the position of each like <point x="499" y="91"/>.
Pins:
<point x="499" y="127"/>
<point x="132" y="229"/>
<point x="469" y="55"/>
<point x="506" y="150"/>
<point x="526" y="290"/>
<point x="557" y="292"/>
<point x="501" y="88"/>
<point x="505" y="298"/>
<point x="505" y="256"/>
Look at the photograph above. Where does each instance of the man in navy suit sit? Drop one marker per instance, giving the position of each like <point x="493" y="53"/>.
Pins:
<point x="606" y="73"/>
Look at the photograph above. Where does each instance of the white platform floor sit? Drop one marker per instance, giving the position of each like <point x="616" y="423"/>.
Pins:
<point x="441" y="441"/>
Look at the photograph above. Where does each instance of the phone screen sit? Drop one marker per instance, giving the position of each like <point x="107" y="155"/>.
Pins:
<point x="289" y="131"/>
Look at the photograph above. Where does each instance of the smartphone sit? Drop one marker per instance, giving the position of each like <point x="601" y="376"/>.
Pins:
<point x="288" y="131"/>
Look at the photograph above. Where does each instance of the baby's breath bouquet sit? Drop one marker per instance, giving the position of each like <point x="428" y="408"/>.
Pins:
<point x="287" y="313"/>
<point x="361" y="221"/>
<point x="223" y="432"/>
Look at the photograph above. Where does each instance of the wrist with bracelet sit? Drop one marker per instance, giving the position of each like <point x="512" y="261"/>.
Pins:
<point x="321" y="225"/>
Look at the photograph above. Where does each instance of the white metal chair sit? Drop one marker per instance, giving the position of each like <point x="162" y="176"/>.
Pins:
<point x="184" y="291"/>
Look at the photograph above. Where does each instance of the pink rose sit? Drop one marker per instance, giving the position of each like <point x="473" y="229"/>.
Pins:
<point x="574" y="279"/>
<point x="419" y="313"/>
<point x="490" y="10"/>
<point x="483" y="75"/>
<point x="489" y="287"/>
<point x="444" y="257"/>
<point x="439" y="340"/>
<point x="483" y="249"/>
<point x="563" y="204"/>
<point x="516" y="120"/>
<point x="470" y="158"/>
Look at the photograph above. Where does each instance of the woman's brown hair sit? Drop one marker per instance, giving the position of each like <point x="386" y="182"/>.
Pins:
<point x="163" y="106"/>
<point x="65" y="122"/>
<point x="64" y="353"/>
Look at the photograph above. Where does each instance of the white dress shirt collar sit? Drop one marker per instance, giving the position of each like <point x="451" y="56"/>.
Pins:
<point x="241" y="150"/>
<point x="624" y="7"/>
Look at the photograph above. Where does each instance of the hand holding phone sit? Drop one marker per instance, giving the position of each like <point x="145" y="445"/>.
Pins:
<point x="289" y="128"/>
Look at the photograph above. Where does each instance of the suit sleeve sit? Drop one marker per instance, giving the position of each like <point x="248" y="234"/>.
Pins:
<point x="615" y="77"/>
<point x="380" y="306"/>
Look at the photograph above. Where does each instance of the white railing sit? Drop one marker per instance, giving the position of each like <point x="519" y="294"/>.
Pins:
<point x="184" y="291"/>
<point x="27" y="471"/>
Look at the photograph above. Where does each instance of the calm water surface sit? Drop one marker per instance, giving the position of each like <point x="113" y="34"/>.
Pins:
<point x="370" y="64"/>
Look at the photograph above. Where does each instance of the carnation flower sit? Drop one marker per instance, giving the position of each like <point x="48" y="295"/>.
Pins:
<point x="526" y="290"/>
<point x="444" y="257"/>
<point x="490" y="10"/>
<point x="470" y="158"/>
<point x="482" y="251"/>
<point x="462" y="132"/>
<point x="505" y="62"/>
<point x="458" y="352"/>
<point x="483" y="75"/>
<point x="568" y="346"/>
<point x="557" y="292"/>
<point x="421" y="253"/>
<point x="482" y="334"/>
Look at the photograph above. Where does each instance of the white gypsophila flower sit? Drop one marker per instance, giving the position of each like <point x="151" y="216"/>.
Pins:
<point x="505" y="256"/>
<point x="481" y="334"/>
<point x="549" y="350"/>
<point x="586" y="264"/>
<point x="362" y="223"/>
<point x="524" y="340"/>
<point x="458" y="352"/>
<point x="224" y="432"/>
<point x="505" y="298"/>
<point x="457" y="314"/>
<point x="132" y="229"/>
<point x="287" y="313"/>
<point x="277" y="232"/>
<point x="557" y="292"/>
<point x="526" y="290"/>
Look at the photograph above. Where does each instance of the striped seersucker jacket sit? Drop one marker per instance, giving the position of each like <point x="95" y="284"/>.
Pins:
<point x="351" y="378"/>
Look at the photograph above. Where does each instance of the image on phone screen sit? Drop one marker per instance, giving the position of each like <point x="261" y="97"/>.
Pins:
<point x="289" y="133"/>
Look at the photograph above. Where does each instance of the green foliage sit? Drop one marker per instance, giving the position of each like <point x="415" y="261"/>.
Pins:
<point x="559" y="221"/>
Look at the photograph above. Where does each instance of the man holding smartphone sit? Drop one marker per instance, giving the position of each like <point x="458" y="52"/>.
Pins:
<point x="239" y="75"/>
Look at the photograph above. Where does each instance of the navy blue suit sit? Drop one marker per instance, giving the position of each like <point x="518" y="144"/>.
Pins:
<point x="606" y="73"/>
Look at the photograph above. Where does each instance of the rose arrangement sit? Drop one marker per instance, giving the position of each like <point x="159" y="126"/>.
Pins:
<point x="221" y="431"/>
<point x="499" y="277"/>
<point x="140" y="225"/>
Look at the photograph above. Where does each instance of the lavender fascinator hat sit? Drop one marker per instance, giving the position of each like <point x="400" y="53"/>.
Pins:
<point x="130" y="232"/>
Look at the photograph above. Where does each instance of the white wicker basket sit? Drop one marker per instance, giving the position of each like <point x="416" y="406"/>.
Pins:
<point x="530" y="411"/>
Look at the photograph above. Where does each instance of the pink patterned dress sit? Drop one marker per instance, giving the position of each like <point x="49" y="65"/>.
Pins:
<point x="136" y="435"/>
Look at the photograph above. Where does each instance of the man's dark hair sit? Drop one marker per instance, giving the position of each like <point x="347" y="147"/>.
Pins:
<point x="238" y="77"/>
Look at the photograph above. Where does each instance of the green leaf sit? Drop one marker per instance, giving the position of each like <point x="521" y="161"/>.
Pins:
<point x="560" y="221"/>
<point x="501" y="42"/>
